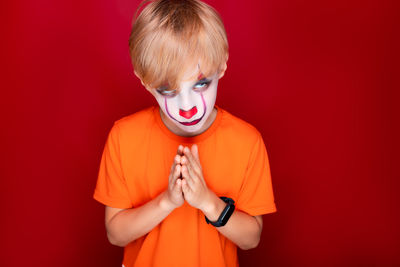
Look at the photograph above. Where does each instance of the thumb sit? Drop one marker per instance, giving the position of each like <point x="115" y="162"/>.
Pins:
<point x="178" y="186"/>
<point x="185" y="186"/>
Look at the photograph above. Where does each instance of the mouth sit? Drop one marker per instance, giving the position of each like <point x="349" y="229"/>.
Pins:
<point x="191" y="122"/>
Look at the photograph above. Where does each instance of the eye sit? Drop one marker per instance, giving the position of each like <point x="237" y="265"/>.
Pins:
<point x="165" y="92"/>
<point x="202" y="85"/>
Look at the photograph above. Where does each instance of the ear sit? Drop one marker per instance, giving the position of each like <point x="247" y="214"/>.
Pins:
<point x="222" y="73"/>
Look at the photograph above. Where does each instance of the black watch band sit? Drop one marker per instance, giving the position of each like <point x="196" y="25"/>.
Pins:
<point x="225" y="214"/>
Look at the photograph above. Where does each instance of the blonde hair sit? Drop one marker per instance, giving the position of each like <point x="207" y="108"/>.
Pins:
<point x="171" y="36"/>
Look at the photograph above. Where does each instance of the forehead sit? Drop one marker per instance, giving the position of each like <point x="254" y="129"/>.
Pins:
<point x="192" y="73"/>
<point x="196" y="74"/>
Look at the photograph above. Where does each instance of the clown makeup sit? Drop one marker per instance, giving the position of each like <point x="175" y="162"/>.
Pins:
<point x="186" y="111"/>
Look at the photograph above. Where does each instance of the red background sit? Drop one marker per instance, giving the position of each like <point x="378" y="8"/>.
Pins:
<point x="319" y="79"/>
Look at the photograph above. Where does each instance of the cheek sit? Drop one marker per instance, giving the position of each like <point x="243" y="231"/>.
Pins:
<point x="210" y="95"/>
<point x="161" y="102"/>
<point x="165" y="107"/>
<point x="172" y="104"/>
<point x="176" y="103"/>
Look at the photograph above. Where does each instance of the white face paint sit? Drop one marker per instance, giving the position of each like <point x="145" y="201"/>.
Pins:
<point x="186" y="111"/>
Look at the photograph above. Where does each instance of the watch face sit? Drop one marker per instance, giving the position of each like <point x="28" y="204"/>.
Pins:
<point x="226" y="214"/>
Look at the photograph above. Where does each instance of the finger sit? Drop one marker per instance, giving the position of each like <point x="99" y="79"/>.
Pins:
<point x="177" y="172"/>
<point x="186" y="176"/>
<point x="173" y="166"/>
<point x="180" y="150"/>
<point x="195" y="153"/>
<point x="195" y="169"/>
<point x="192" y="160"/>
<point x="177" y="159"/>
<point x="175" y="175"/>
<point x="192" y="173"/>
<point x="185" y="187"/>
<point x="184" y="160"/>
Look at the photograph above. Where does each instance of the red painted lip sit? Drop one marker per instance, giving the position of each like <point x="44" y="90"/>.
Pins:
<point x="188" y="114"/>
<point x="191" y="123"/>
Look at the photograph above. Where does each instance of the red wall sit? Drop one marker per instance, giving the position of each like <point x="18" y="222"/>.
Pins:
<point x="319" y="79"/>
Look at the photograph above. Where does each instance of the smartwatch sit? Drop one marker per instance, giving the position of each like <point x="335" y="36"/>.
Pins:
<point x="226" y="213"/>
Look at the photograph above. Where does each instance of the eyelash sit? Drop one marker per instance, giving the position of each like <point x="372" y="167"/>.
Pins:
<point x="172" y="93"/>
<point x="205" y="83"/>
<point x="168" y="93"/>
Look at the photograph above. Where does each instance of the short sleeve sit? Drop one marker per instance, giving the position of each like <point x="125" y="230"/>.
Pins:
<point x="111" y="188"/>
<point x="256" y="195"/>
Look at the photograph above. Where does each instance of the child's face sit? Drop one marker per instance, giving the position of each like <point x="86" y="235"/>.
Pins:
<point x="188" y="108"/>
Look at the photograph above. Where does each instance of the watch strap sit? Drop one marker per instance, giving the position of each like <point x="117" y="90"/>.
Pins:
<point x="225" y="214"/>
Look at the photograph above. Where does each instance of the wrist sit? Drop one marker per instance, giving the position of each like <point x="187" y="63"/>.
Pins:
<point x="165" y="203"/>
<point x="213" y="207"/>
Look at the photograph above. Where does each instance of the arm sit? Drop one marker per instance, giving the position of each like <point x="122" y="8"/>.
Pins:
<point x="126" y="225"/>
<point x="242" y="229"/>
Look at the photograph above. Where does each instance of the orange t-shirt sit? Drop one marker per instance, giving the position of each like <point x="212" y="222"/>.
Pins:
<point x="134" y="169"/>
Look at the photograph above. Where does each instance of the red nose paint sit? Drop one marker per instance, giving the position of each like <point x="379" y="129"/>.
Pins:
<point x="188" y="114"/>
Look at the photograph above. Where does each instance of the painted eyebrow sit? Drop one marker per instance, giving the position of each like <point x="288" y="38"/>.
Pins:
<point x="166" y="91"/>
<point x="164" y="87"/>
<point x="203" y="80"/>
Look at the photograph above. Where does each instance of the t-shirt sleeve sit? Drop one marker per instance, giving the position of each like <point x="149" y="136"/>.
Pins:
<point x="111" y="188"/>
<point x="256" y="195"/>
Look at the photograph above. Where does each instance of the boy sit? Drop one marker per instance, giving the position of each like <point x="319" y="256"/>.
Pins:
<point x="197" y="211"/>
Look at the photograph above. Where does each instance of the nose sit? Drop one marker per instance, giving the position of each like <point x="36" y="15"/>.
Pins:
<point x="187" y="114"/>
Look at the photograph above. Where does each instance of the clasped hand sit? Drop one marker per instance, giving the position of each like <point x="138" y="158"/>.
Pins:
<point x="186" y="181"/>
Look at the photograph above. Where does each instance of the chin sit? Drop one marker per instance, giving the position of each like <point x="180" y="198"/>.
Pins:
<point x="192" y="128"/>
